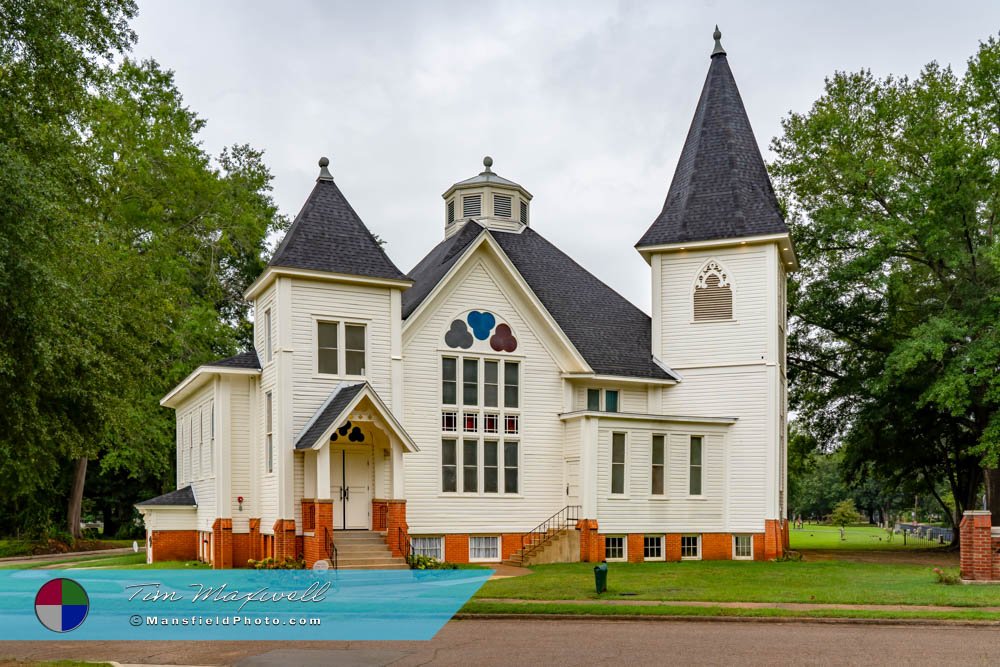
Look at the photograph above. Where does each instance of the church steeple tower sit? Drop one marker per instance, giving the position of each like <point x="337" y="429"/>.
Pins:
<point x="720" y="188"/>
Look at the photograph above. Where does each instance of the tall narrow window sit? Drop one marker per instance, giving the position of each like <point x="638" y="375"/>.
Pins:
<point x="449" y="465"/>
<point x="510" y="383"/>
<point x="696" y="465"/>
<point x="267" y="335"/>
<point x="327" y="353"/>
<point x="509" y="467"/>
<point x="354" y="349"/>
<point x="470" y="382"/>
<point x="470" y="466"/>
<point x="268" y="421"/>
<point x="491" y="466"/>
<point x="491" y="383"/>
<point x="594" y="399"/>
<point x="611" y="400"/>
<point x="617" y="463"/>
<point x="713" y="294"/>
<point x="449" y="381"/>
<point x="657" y="466"/>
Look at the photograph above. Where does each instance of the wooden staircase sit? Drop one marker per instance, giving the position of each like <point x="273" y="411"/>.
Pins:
<point x="365" y="550"/>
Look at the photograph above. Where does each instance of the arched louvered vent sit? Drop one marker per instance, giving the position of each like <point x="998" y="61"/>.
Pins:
<point x="472" y="206"/>
<point x="451" y="211"/>
<point x="501" y="206"/>
<point x="713" y="294"/>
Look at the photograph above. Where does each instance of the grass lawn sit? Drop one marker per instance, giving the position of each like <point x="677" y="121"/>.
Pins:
<point x="825" y="582"/>
<point x="17" y="547"/>
<point x="118" y="562"/>
<point x="862" y="538"/>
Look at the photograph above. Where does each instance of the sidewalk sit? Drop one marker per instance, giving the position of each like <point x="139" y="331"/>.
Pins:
<point x="791" y="606"/>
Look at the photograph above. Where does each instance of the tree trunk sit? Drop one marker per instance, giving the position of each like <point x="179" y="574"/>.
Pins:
<point x="76" y="498"/>
<point x="992" y="478"/>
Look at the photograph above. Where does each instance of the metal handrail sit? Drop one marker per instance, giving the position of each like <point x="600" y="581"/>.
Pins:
<point x="543" y="532"/>
<point x="405" y="545"/>
<point x="332" y="550"/>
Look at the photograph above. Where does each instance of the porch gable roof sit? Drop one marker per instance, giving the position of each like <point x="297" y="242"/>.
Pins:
<point x="344" y="398"/>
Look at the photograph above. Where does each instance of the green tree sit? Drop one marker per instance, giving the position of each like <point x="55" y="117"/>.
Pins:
<point x="893" y="193"/>
<point x="844" y="514"/>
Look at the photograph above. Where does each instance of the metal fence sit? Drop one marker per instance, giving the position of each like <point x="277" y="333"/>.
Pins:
<point x="922" y="533"/>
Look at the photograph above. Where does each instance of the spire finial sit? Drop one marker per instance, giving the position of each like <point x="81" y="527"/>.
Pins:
<point x="487" y="162"/>
<point x="324" y="173"/>
<point x="718" y="50"/>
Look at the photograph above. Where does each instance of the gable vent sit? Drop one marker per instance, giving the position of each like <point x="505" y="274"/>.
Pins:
<point x="501" y="206"/>
<point x="713" y="301"/>
<point x="472" y="206"/>
<point x="451" y="211"/>
<point x="524" y="212"/>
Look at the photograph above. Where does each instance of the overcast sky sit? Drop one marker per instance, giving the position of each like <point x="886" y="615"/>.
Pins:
<point x="585" y="104"/>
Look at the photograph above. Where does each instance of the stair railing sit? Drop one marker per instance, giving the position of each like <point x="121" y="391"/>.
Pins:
<point x="546" y="530"/>
<point x="331" y="550"/>
<point x="405" y="545"/>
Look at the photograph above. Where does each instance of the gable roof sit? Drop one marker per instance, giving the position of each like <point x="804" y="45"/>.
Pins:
<point x="335" y="409"/>
<point x="179" y="498"/>
<point x="609" y="331"/>
<point x="720" y="188"/>
<point x="327" y="235"/>
<point x="246" y="359"/>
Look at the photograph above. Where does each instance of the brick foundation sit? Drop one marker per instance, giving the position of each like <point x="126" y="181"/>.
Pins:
<point x="316" y="540"/>
<point x="396" y="528"/>
<point x="775" y="538"/>
<point x="714" y="546"/>
<point x="980" y="550"/>
<point x="285" y="544"/>
<point x="222" y="544"/>
<point x="591" y="544"/>
<point x="174" y="545"/>
<point x="380" y="509"/>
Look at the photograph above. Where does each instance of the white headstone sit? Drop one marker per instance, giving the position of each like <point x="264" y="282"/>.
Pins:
<point x="321" y="565"/>
<point x="135" y="547"/>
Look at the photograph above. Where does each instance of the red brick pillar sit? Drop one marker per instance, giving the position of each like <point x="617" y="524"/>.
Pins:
<point x="317" y="546"/>
<point x="635" y="550"/>
<point x="976" y="545"/>
<point x="395" y="519"/>
<point x="774" y="540"/>
<point x="284" y="539"/>
<point x="222" y="544"/>
<point x="256" y="544"/>
<point x="591" y="544"/>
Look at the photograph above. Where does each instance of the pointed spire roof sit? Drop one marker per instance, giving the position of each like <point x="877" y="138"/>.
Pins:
<point x="327" y="235"/>
<point x="720" y="189"/>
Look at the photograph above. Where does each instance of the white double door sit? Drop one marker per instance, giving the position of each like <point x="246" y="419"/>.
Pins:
<point x="350" y="478"/>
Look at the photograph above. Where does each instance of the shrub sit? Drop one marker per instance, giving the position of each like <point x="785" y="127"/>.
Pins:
<point x="417" y="562"/>
<point x="274" y="564"/>
<point x="947" y="577"/>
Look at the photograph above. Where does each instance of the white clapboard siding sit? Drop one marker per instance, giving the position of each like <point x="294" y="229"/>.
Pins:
<point x="541" y="473"/>
<point x="687" y="342"/>
<point x="312" y="300"/>
<point x="240" y="452"/>
<point x="172" y="519"/>
<point x="267" y="493"/>
<point x="192" y="416"/>
<point x="638" y="510"/>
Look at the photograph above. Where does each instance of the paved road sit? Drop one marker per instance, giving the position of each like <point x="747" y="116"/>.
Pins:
<point x="552" y="643"/>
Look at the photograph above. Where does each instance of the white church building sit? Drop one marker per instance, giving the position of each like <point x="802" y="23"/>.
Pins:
<point x="498" y="402"/>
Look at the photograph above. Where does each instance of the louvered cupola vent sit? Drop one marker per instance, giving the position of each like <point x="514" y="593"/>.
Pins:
<point x="501" y="206"/>
<point x="451" y="211"/>
<point x="524" y="212"/>
<point x="472" y="206"/>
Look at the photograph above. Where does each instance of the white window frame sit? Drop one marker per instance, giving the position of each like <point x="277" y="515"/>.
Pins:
<point x="749" y="538"/>
<point x="624" y="493"/>
<point x="624" y="556"/>
<point x="602" y="400"/>
<point x="664" y="440"/>
<point x="269" y="433"/>
<point x="663" y="547"/>
<point x="342" y="323"/>
<point x="701" y="467"/>
<point x="697" y="538"/>
<point x="487" y="559"/>
<point x="414" y="539"/>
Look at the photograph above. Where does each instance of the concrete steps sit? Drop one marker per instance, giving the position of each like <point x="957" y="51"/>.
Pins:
<point x="365" y="550"/>
<point x="560" y="546"/>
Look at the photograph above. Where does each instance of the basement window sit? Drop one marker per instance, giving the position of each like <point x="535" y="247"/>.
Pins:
<point x="432" y="547"/>
<point x="484" y="549"/>
<point x="614" y="547"/>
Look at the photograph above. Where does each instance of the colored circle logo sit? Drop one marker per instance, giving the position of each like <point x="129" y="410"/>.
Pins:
<point x="61" y="605"/>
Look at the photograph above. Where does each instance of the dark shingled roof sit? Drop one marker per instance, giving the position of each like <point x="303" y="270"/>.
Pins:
<point x="610" y="332"/>
<point x="328" y="235"/>
<point x="721" y="188"/>
<point x="327" y="413"/>
<point x="180" y="497"/>
<point x="246" y="359"/>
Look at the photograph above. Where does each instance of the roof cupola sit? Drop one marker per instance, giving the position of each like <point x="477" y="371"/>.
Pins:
<point x="488" y="198"/>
